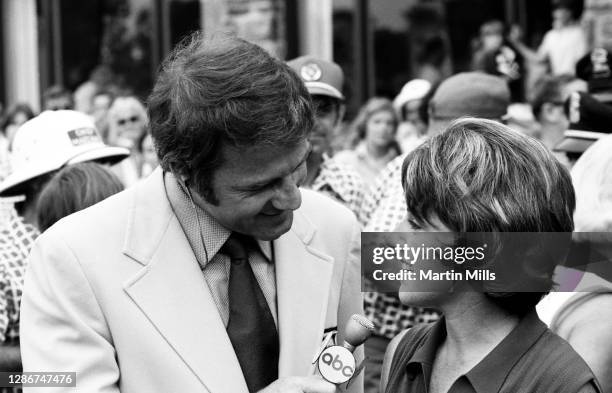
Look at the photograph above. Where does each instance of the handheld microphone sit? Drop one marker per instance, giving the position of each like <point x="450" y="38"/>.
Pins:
<point x="358" y="330"/>
<point x="336" y="363"/>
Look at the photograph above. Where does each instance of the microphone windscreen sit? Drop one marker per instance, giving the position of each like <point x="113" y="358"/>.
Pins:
<point x="358" y="329"/>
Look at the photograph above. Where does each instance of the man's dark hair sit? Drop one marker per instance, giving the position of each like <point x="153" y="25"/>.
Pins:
<point x="549" y="89"/>
<point x="223" y="91"/>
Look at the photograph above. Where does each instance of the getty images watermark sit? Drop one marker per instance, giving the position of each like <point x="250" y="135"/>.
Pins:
<point x="409" y="255"/>
<point x="486" y="261"/>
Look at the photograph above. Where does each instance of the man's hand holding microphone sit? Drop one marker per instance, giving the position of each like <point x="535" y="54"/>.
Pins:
<point x="335" y="364"/>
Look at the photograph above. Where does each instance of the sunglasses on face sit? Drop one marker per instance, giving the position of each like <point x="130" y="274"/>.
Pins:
<point x="132" y="119"/>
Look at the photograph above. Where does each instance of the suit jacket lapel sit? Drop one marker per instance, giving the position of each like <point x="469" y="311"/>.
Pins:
<point x="303" y="277"/>
<point x="172" y="292"/>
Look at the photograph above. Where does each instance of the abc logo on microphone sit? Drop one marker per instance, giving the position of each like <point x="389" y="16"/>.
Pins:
<point x="336" y="364"/>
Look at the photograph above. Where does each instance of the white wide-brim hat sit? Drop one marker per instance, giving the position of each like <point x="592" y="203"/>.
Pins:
<point x="53" y="140"/>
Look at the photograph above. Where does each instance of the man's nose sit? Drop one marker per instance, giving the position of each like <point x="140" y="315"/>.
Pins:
<point x="288" y="196"/>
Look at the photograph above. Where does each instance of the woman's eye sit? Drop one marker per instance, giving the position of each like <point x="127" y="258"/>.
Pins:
<point x="414" y="225"/>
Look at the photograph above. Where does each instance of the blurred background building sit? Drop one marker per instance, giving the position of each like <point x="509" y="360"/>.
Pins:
<point x="381" y="44"/>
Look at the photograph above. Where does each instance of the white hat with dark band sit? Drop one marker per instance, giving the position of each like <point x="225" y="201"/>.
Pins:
<point x="51" y="141"/>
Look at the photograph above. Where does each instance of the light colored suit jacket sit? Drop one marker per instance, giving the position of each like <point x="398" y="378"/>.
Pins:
<point x="115" y="293"/>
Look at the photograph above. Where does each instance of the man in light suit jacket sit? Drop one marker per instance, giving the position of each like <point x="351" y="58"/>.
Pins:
<point x="216" y="273"/>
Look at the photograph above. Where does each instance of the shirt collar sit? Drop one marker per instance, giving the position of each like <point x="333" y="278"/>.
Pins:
<point x="423" y="358"/>
<point x="266" y="249"/>
<point x="492" y="371"/>
<point x="213" y="234"/>
<point x="488" y="375"/>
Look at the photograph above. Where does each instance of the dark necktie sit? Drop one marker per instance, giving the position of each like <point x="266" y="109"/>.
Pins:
<point x="251" y="326"/>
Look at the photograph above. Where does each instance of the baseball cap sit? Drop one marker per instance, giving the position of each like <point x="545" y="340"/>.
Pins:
<point x="416" y="89"/>
<point x="596" y="68"/>
<point x="321" y="77"/>
<point x="473" y="94"/>
<point x="52" y="140"/>
<point x="590" y="120"/>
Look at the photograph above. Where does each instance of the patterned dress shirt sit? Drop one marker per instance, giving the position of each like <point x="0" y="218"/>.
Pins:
<point x="16" y="240"/>
<point x="206" y="237"/>
<point x="342" y="183"/>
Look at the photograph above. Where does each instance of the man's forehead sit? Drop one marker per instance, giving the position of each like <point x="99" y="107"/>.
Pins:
<point x="257" y="163"/>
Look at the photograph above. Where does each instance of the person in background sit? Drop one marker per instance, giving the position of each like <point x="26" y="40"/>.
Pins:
<point x="128" y="123"/>
<point x="497" y="56"/>
<point x="375" y="127"/>
<point x="57" y="98"/>
<point x="596" y="69"/>
<point x="489" y="340"/>
<point x="563" y="45"/>
<point x="148" y="157"/>
<point x="324" y="80"/>
<point x="384" y="209"/>
<point x="592" y="178"/>
<point x="413" y="120"/>
<point x="465" y="94"/>
<point x="590" y="115"/>
<point x="42" y="146"/>
<point x="548" y="106"/>
<point x="590" y="120"/>
<point x="584" y="317"/>
<point x="100" y="78"/>
<point x="73" y="189"/>
<point x="100" y="105"/>
<point x="15" y="117"/>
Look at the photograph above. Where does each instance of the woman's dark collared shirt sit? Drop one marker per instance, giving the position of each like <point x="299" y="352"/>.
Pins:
<point x="530" y="359"/>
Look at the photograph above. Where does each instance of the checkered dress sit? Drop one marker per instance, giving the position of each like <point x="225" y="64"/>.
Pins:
<point x="342" y="183"/>
<point x="384" y="208"/>
<point x="16" y="240"/>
